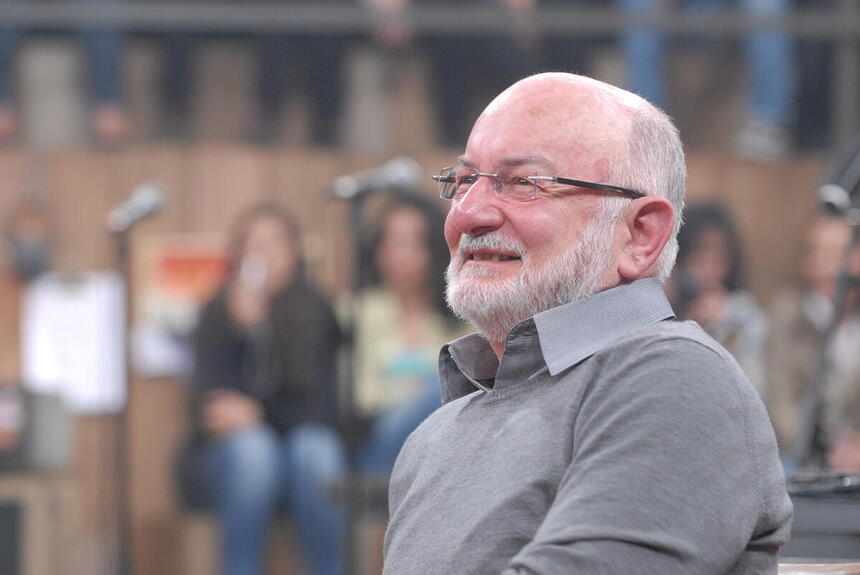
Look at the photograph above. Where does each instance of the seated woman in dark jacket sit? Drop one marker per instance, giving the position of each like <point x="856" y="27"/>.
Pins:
<point x="263" y="395"/>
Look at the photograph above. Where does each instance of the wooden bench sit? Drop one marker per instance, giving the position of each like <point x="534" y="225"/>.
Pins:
<point x="47" y="520"/>
<point x="198" y="538"/>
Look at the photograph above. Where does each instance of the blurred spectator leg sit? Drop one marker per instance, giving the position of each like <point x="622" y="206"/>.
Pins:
<point x="460" y="66"/>
<point x="277" y="61"/>
<point x="176" y="85"/>
<point x="323" y="62"/>
<point x="644" y="49"/>
<point x="8" y="118"/>
<point x="104" y="47"/>
<point x="451" y="79"/>
<point x="313" y="460"/>
<point x="814" y="94"/>
<point x="243" y="470"/>
<point x="393" y="426"/>
<point x="568" y="55"/>
<point x="771" y="82"/>
<point x="318" y="59"/>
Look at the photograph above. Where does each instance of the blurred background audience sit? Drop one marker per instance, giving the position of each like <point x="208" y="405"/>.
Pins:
<point x="800" y="315"/>
<point x="261" y="113"/>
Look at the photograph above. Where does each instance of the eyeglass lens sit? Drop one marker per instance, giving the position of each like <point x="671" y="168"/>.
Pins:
<point x="456" y="182"/>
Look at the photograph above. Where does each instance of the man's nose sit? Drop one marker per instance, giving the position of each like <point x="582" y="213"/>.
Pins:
<point x="478" y="212"/>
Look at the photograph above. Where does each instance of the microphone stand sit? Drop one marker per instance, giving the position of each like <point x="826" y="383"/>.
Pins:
<point x="121" y="462"/>
<point x="812" y="444"/>
<point x="349" y="413"/>
<point x="402" y="173"/>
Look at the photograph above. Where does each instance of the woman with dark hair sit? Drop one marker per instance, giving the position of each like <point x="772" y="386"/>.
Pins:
<point x="707" y="287"/>
<point x="263" y="394"/>
<point x="401" y="323"/>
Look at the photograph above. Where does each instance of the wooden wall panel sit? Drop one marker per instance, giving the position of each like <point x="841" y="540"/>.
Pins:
<point x="771" y="204"/>
<point x="222" y="181"/>
<point x="158" y="423"/>
<point x="93" y="474"/>
<point x="299" y="180"/>
<point x="10" y="348"/>
<point x="773" y="208"/>
<point x="14" y="178"/>
<point x="80" y="191"/>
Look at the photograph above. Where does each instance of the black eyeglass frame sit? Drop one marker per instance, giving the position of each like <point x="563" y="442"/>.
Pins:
<point x="441" y="178"/>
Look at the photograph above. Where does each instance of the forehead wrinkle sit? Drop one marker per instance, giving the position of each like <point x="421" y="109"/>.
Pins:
<point x="514" y="161"/>
<point x="530" y="159"/>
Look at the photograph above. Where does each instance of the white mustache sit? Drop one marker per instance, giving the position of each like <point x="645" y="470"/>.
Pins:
<point x="490" y="241"/>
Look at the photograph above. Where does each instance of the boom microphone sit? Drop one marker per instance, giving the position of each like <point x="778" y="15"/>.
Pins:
<point x="146" y="200"/>
<point x="400" y="172"/>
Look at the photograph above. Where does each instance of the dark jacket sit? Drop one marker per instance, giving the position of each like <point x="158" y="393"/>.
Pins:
<point x="287" y="364"/>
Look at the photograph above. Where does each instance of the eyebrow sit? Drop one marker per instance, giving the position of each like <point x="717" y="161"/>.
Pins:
<point x="514" y="161"/>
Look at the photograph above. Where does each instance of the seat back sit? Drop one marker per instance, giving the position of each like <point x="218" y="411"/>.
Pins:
<point x="816" y="568"/>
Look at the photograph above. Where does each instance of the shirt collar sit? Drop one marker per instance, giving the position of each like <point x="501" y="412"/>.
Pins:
<point x="572" y="332"/>
<point x="567" y="334"/>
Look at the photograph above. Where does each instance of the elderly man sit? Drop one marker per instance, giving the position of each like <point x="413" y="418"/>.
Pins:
<point x="581" y="431"/>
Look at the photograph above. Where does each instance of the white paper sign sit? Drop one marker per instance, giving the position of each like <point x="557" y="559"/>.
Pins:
<point x="72" y="340"/>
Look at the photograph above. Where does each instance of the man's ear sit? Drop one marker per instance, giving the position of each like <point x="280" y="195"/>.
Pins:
<point x="648" y="226"/>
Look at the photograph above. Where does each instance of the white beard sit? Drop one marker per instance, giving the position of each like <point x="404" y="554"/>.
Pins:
<point x="496" y="307"/>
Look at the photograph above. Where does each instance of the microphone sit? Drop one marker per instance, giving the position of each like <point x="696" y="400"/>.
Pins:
<point x="400" y="172"/>
<point x="253" y="273"/>
<point x="840" y="195"/>
<point x="146" y="200"/>
<point x="834" y="199"/>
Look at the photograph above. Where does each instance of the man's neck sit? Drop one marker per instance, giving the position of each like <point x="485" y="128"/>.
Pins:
<point x="498" y="348"/>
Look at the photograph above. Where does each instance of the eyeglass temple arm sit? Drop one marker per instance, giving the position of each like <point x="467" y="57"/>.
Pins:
<point x="594" y="186"/>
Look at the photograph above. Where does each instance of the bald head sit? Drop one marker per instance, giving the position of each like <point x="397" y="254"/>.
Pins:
<point x="567" y="92"/>
<point x="580" y="113"/>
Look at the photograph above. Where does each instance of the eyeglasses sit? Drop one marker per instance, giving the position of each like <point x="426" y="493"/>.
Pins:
<point x="456" y="181"/>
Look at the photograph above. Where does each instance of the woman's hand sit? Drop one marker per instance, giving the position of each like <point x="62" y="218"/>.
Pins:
<point x="226" y="411"/>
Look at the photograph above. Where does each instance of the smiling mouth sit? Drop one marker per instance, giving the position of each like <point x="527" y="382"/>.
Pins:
<point x="492" y="257"/>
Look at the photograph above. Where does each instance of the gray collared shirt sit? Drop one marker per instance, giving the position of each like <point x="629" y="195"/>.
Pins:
<point x="606" y="441"/>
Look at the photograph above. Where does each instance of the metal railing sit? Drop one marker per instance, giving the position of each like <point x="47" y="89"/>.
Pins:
<point x="839" y="26"/>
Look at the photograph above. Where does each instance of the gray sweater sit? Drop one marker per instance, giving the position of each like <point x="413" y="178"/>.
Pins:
<point x="609" y="442"/>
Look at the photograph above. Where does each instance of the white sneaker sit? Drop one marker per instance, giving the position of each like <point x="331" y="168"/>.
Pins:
<point x="763" y="141"/>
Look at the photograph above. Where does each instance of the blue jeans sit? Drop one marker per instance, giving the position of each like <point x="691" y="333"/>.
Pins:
<point x="768" y="55"/>
<point x="254" y="472"/>
<point x="8" y="41"/>
<point x="251" y="474"/>
<point x="104" y="51"/>
<point x="394" y="425"/>
<point x="104" y="48"/>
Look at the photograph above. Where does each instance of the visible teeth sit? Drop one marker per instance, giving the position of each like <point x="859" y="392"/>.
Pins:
<point x="492" y="257"/>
